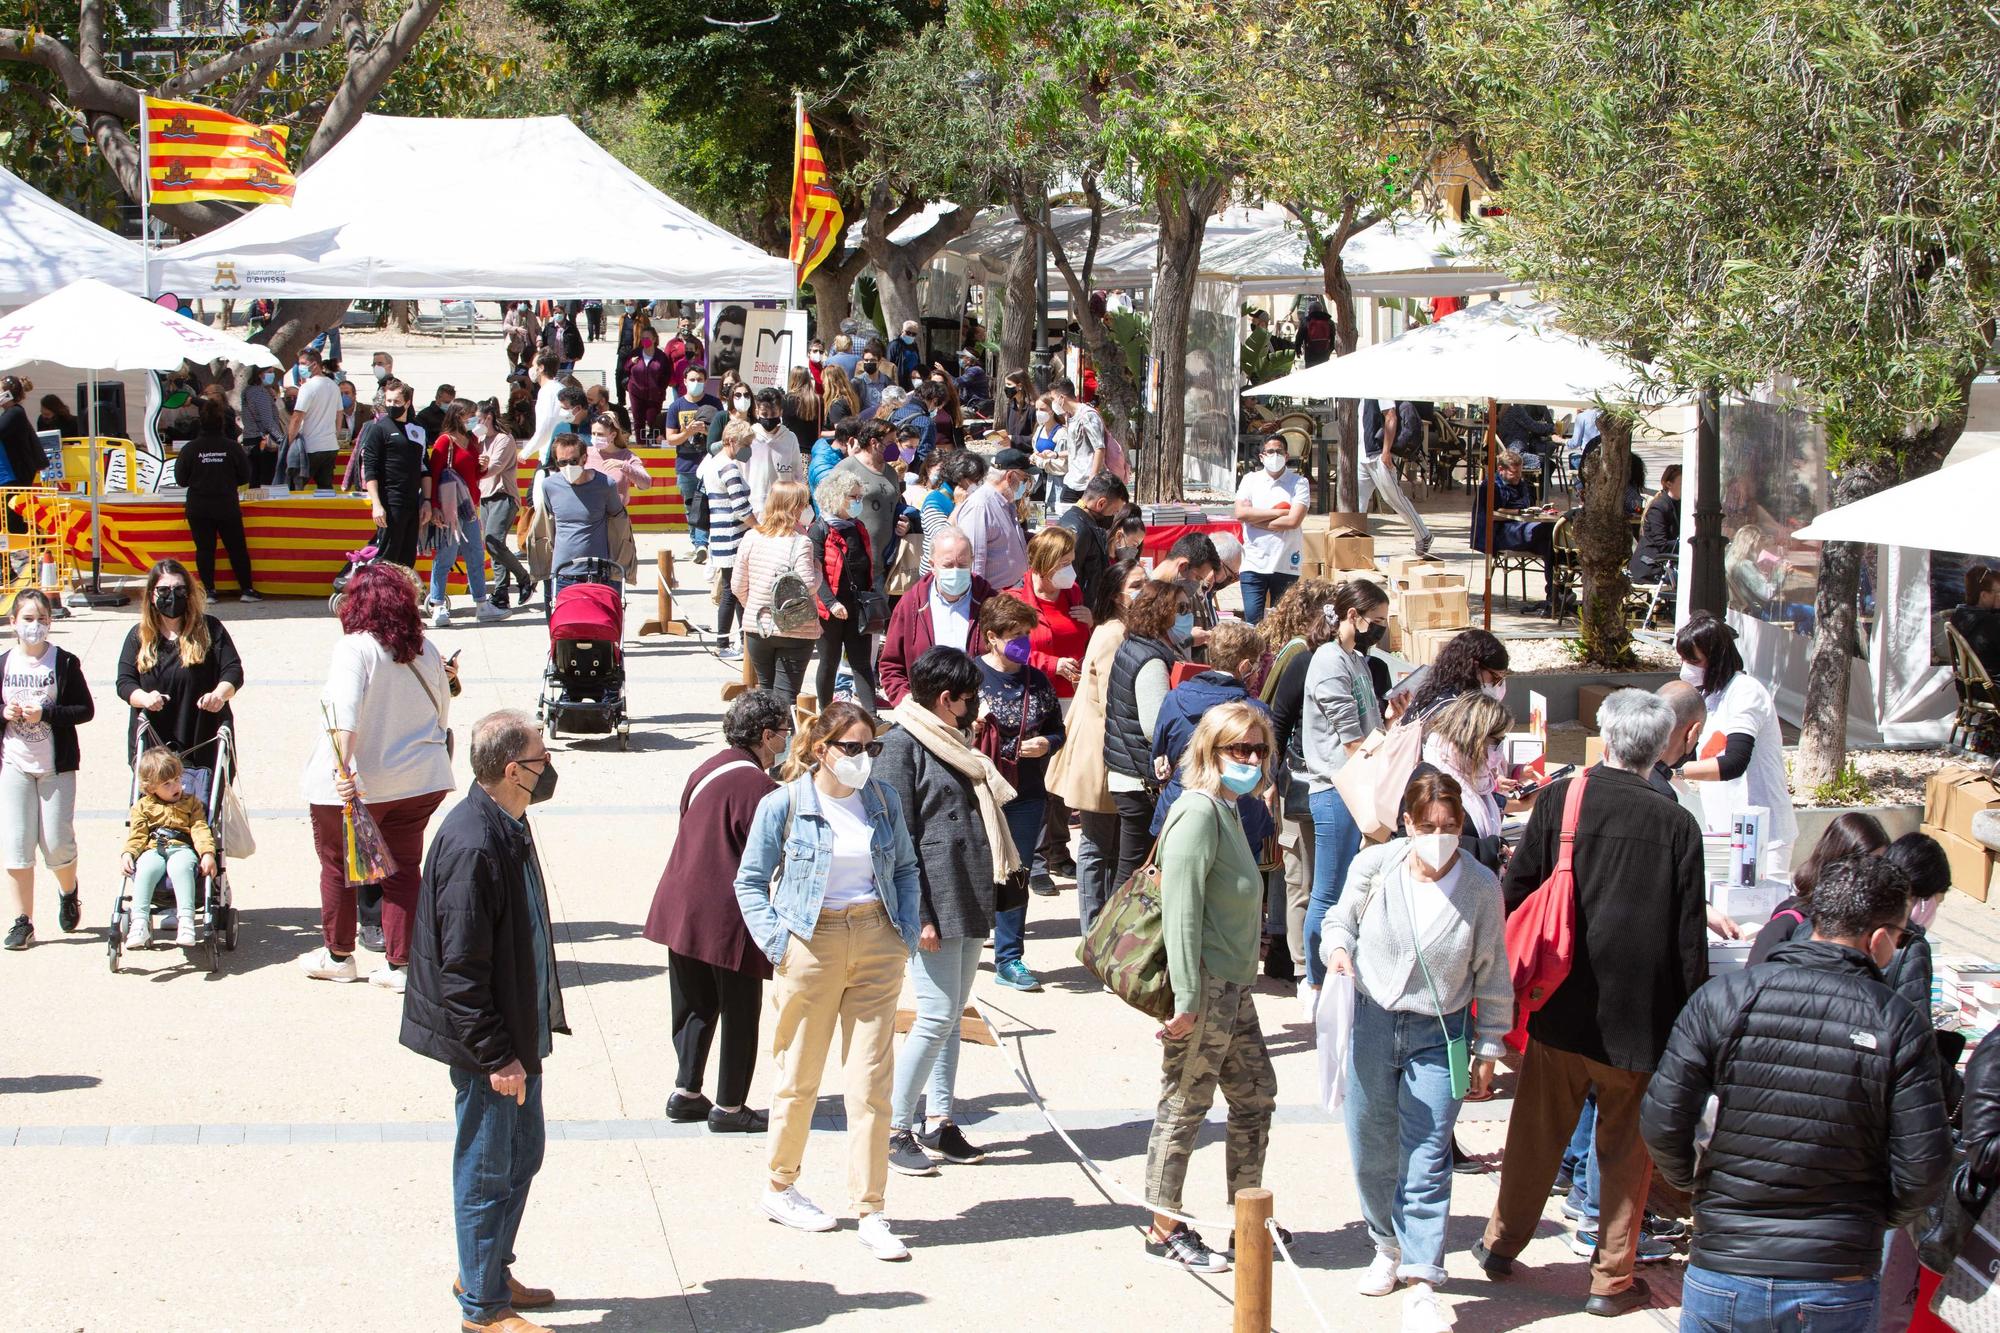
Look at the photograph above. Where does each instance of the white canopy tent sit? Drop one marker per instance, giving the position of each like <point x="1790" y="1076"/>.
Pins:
<point x="1949" y="510"/>
<point x="92" y="326"/>
<point x="1405" y="256"/>
<point x="589" y="226"/>
<point x="44" y="247"/>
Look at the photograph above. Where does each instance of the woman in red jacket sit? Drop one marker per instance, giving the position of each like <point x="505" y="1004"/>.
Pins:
<point x="457" y="518"/>
<point x="1057" y="643"/>
<point x="646" y="384"/>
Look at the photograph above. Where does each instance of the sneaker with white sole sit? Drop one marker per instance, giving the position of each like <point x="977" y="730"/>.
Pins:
<point x="184" y="936"/>
<point x="141" y="934"/>
<point x="1421" y="1311"/>
<point x="1651" y="1251"/>
<point x="875" y="1236"/>
<point x="1183" y="1248"/>
<point x="487" y="611"/>
<point x="1308" y="1002"/>
<point x="321" y="965"/>
<point x="790" y="1208"/>
<point x="441" y="617"/>
<point x="1380" y="1279"/>
<point x="388" y="977"/>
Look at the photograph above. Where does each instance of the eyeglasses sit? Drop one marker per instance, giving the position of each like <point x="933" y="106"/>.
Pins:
<point x="1248" y="752"/>
<point x="853" y="749"/>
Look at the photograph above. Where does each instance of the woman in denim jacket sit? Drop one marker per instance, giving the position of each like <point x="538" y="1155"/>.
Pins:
<point x="828" y="887"/>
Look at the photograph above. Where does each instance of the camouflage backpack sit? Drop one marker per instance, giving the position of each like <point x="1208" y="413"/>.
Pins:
<point x="1126" y="948"/>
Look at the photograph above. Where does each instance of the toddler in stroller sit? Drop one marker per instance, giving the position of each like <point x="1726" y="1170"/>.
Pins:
<point x="583" y="685"/>
<point x="169" y="833"/>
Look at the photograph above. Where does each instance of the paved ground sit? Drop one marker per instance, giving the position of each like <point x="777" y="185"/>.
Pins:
<point x="254" y="1151"/>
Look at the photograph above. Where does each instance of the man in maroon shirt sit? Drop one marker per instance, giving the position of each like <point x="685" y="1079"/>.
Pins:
<point x="948" y="597"/>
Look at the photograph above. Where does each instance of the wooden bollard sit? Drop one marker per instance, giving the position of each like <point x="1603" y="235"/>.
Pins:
<point x="1253" y="1262"/>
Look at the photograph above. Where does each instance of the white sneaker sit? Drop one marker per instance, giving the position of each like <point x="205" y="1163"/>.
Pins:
<point x="184" y="935"/>
<point x="387" y="977"/>
<point x="141" y="934"/>
<point x="1308" y="1002"/>
<point x="793" y="1209"/>
<point x="441" y="615"/>
<point x="1380" y="1279"/>
<point x="488" y="611"/>
<point x="321" y="965"/>
<point x="1421" y="1311"/>
<point x="881" y="1242"/>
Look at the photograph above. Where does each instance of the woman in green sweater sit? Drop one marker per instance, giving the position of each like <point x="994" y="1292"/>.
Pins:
<point x="1211" y="903"/>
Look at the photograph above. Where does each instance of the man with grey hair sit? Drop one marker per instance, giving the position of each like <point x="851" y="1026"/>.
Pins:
<point x="482" y="997"/>
<point x="1640" y="952"/>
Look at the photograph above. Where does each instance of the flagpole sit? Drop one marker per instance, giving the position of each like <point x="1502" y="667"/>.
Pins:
<point x="145" y="200"/>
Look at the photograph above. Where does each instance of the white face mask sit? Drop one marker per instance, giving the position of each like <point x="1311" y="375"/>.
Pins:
<point x="1064" y="579"/>
<point x="1434" y="849"/>
<point x="742" y="402"/>
<point x="1924" y="911"/>
<point x="572" y="473"/>
<point x="32" y="631"/>
<point x="1274" y="463"/>
<point x="695" y="389"/>
<point x="478" y="430"/>
<point x="1692" y="674"/>
<point x="1495" y="690"/>
<point x="849" y="772"/>
<point x="1042" y="416"/>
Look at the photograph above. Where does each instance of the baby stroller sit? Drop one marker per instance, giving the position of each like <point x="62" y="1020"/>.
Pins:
<point x="356" y="562"/>
<point x="583" y="686"/>
<point x="215" y="909"/>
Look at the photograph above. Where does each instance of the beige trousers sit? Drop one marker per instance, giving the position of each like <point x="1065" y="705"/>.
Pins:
<point x="850" y="975"/>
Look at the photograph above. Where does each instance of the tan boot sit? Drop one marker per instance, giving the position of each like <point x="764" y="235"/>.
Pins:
<point x="504" y="1322"/>
<point x="524" y="1297"/>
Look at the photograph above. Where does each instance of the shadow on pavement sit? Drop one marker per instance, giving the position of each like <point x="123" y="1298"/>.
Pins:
<point x="591" y="973"/>
<point x="757" y="1304"/>
<point x="1017" y="1219"/>
<point x="32" y="1083"/>
<point x="275" y="936"/>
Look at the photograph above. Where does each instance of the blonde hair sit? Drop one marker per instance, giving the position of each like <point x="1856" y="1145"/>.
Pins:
<point x="736" y="433"/>
<point x="1467" y="725"/>
<point x="836" y="488"/>
<point x="610" y="423"/>
<point x="1048" y="548"/>
<point x="782" y="507"/>
<point x="194" y="621"/>
<point x="158" y="765"/>
<point x="1201" y="765"/>
<point x="826" y="725"/>
<point x="1509" y="458"/>
<point x="837" y="385"/>
<point x="1232" y="643"/>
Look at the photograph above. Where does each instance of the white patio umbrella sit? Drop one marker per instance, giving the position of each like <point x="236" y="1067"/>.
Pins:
<point x="1952" y="509"/>
<point x="92" y="326"/>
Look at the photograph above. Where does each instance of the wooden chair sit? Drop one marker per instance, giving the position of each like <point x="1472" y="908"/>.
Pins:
<point x="1978" y="695"/>
<point x="1568" y="589"/>
<point x="1444" y="450"/>
<point x="1500" y="564"/>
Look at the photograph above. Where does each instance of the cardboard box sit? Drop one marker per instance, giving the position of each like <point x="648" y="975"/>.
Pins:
<point x="1593" y="750"/>
<point x="1393" y="640"/>
<point x="1421" y="579"/>
<point x="1972" y="866"/>
<point x="1421" y="646"/>
<point x="1402" y="567"/>
<point x="1954" y="795"/>
<point x="1350" y="548"/>
<point x="1436" y="608"/>
<point x="1588" y="698"/>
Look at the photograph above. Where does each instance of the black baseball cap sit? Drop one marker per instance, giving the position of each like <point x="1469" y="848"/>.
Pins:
<point x="1013" y="460"/>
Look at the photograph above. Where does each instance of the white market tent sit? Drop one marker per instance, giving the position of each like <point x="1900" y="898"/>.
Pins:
<point x="1512" y="353"/>
<point x="1405" y="256"/>
<point x="587" y="225"/>
<point x="1949" y="510"/>
<point x="44" y="247"/>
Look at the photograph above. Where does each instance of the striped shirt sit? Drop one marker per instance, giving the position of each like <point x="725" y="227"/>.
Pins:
<point x="728" y="508"/>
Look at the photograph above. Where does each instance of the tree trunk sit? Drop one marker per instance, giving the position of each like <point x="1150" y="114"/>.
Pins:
<point x="900" y="300"/>
<point x="401" y="313"/>
<point x="1183" y="211"/>
<point x="1604" y="546"/>
<point x="832" y="285"/>
<point x="1018" y="312"/>
<point x="1346" y="337"/>
<point x="297" y="322"/>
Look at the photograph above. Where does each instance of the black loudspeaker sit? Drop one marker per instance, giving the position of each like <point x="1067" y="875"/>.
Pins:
<point x="110" y="409"/>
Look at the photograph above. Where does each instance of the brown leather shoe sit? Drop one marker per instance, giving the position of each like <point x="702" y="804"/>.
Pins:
<point x="524" y="1297"/>
<point x="504" y="1322"/>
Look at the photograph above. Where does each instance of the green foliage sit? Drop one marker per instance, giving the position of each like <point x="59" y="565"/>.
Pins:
<point x="1847" y="788"/>
<point x="1262" y="362"/>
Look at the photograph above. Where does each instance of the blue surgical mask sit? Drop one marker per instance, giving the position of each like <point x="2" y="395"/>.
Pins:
<point x="1241" y="778"/>
<point x="1184" y="625"/>
<point x="953" y="583"/>
<point x="854" y="509"/>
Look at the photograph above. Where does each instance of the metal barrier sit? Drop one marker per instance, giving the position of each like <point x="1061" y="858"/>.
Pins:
<point x="38" y="557"/>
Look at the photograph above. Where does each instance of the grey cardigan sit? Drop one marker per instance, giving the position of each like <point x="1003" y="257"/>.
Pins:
<point x="1340" y="708"/>
<point x="954" y="863"/>
<point x="1465" y="946"/>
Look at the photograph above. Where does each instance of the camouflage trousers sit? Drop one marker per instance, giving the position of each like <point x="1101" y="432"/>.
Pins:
<point x="1225" y="1049"/>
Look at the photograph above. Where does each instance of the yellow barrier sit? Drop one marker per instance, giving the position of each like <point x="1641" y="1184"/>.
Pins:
<point x="77" y="476"/>
<point x="37" y="558"/>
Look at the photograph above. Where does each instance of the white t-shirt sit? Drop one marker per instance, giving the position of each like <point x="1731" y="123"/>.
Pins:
<point x="1427" y="898"/>
<point x="850" y="880"/>
<point x="547" y="409"/>
<point x="1266" y="551"/>
<point x="398" y="724"/>
<point x="1745" y="707"/>
<point x="772" y="460"/>
<point x="318" y="404"/>
<point x="951" y="622"/>
<point x="30" y="746"/>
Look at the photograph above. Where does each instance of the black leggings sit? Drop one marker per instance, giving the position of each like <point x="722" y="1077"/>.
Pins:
<point x="704" y="997"/>
<point x="1135" y="833"/>
<point x="727" y="608"/>
<point x="226" y="522"/>
<point x="850" y="635"/>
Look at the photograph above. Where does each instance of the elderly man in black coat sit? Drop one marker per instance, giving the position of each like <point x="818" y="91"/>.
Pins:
<point x="482" y="997"/>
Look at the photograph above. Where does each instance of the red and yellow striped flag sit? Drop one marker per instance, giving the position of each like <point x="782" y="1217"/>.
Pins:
<point x="816" y="215"/>
<point x="195" y="152"/>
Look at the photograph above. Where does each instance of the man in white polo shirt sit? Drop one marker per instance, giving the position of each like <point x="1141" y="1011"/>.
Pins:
<point x="315" y="418"/>
<point x="1271" y="505"/>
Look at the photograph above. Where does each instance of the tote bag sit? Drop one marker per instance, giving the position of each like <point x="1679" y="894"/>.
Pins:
<point x="1372" y="781"/>
<point x="1126" y="948"/>
<point x="1541" y="935"/>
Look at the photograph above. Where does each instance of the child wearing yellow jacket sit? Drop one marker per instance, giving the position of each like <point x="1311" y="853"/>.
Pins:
<point x="169" y="830"/>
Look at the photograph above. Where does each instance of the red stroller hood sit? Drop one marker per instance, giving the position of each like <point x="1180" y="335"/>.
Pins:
<point x="587" y="611"/>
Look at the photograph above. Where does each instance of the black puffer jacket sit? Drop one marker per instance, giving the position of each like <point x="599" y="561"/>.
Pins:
<point x="1831" y="1127"/>
<point x="1979" y="1116"/>
<point x="469" y="998"/>
<point x="1128" y="741"/>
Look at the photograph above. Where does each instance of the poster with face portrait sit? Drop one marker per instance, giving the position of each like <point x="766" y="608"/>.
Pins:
<point x="773" y="342"/>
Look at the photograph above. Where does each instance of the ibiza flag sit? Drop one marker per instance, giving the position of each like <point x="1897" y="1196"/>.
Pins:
<point x="194" y="152"/>
<point x="816" y="215"/>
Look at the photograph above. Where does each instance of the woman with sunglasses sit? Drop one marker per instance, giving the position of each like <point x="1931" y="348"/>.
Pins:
<point x="1422" y="930"/>
<point x="955" y="801"/>
<point x="828" y="886"/>
<point x="1212" y="913"/>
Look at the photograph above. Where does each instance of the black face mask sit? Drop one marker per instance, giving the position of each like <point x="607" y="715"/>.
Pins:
<point x="1368" y="636"/>
<point x="769" y="423"/>
<point x="171" y="602"/>
<point x="971" y="714"/>
<point x="545" y="784"/>
<point x="397" y="411"/>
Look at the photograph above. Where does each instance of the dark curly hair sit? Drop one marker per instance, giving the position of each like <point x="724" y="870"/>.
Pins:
<point x="1456" y="670"/>
<point x="380" y="600"/>
<point x="755" y="713"/>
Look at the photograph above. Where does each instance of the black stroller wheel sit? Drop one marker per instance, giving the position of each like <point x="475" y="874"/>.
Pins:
<point x="111" y="951"/>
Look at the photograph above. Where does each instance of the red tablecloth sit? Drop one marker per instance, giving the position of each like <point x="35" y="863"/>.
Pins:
<point x="1161" y="540"/>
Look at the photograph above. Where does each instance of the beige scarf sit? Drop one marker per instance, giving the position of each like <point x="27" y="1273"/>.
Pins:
<point x="949" y="745"/>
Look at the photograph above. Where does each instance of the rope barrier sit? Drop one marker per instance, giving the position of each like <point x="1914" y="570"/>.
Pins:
<point x="1298" y="1277"/>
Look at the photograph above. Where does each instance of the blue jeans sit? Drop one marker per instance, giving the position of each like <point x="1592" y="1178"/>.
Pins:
<point x="1580" y="1161"/>
<point x="1399" y="1113"/>
<point x="1261" y="592"/>
<point x="1725" y="1303"/>
<point x="1336" y="838"/>
<point x="1024" y="822"/>
<point x="684" y="472"/>
<point x="493" y="1161"/>
<point x="470" y="547"/>
<point x="943" y="980"/>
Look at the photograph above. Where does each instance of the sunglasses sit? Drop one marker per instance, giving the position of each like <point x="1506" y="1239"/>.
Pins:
<point x="1248" y="752"/>
<point x="853" y="749"/>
